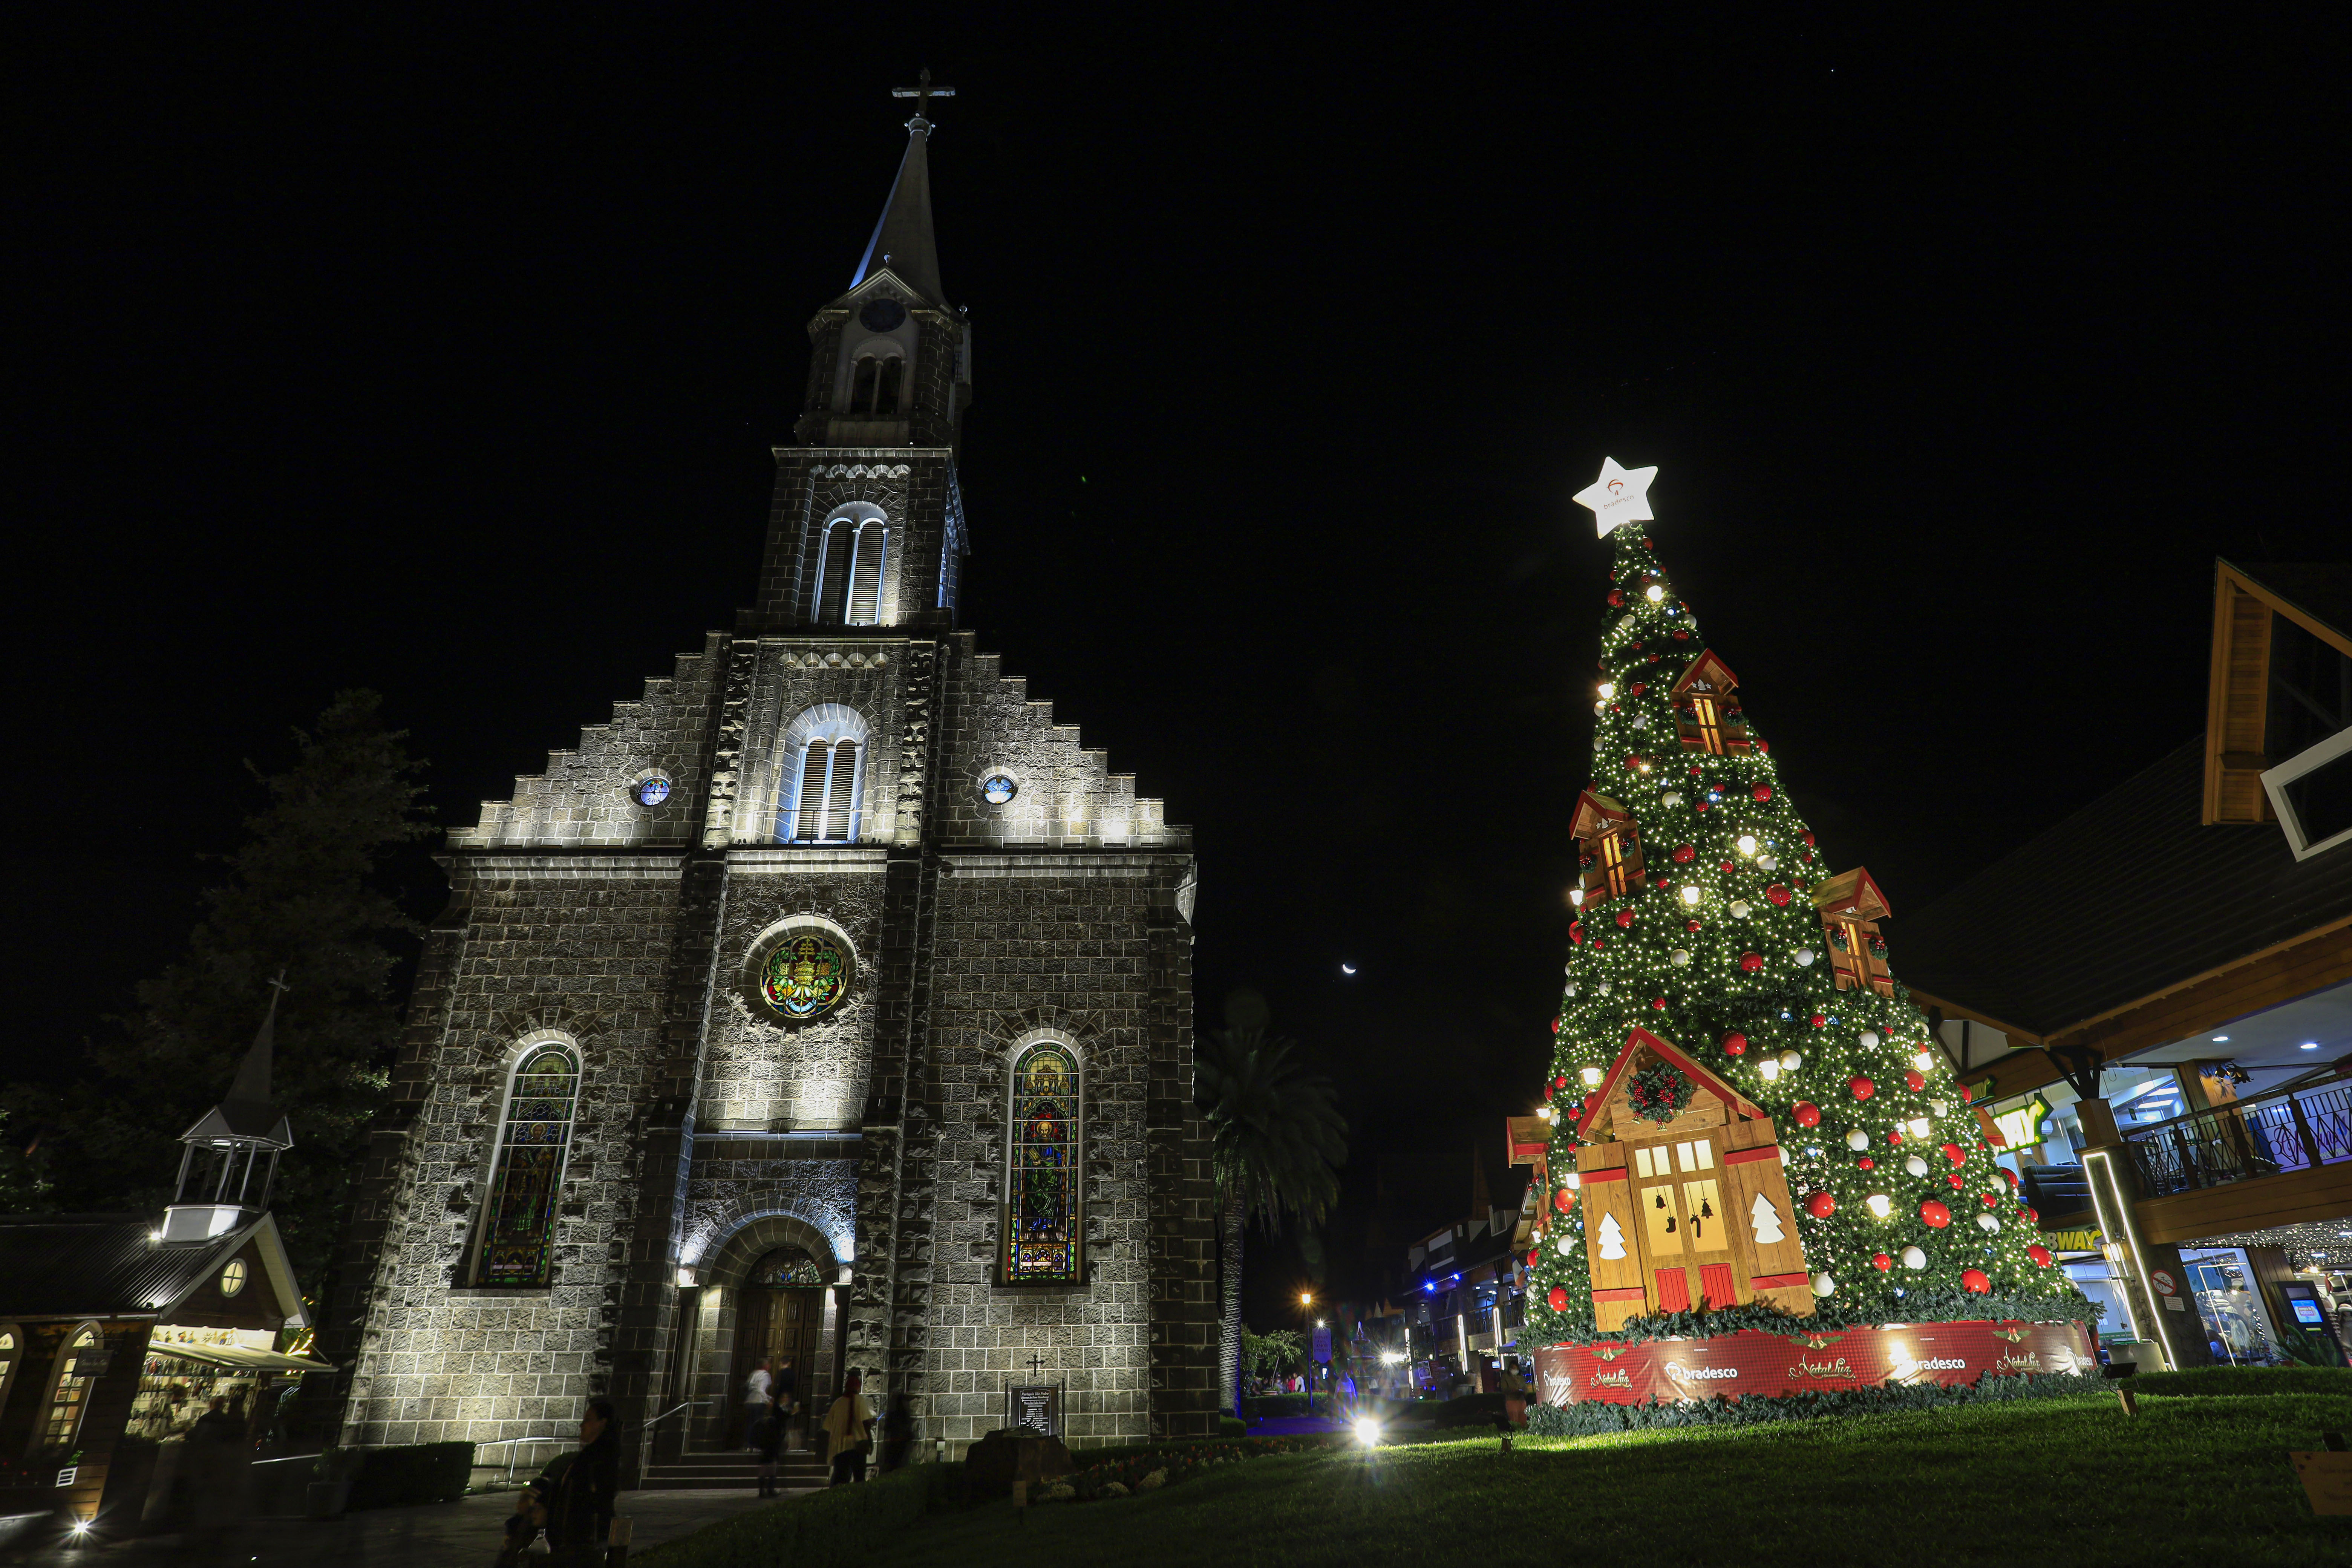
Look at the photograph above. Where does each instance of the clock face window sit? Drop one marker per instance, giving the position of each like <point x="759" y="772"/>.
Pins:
<point x="998" y="788"/>
<point x="882" y="315"/>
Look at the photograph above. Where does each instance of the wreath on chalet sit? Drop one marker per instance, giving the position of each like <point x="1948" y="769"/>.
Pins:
<point x="1659" y="1092"/>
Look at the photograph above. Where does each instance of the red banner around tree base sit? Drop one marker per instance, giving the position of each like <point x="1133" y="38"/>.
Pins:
<point x="1752" y="1362"/>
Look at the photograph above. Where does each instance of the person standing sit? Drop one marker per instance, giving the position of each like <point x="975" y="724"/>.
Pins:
<point x="849" y="1432"/>
<point x="755" y="1400"/>
<point x="786" y="1389"/>
<point x="769" y="1432"/>
<point x="580" y="1507"/>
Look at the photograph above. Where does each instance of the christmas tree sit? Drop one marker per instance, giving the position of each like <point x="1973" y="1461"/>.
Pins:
<point x="1708" y="918"/>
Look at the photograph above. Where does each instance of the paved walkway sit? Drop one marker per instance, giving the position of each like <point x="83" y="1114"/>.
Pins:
<point x="433" y="1535"/>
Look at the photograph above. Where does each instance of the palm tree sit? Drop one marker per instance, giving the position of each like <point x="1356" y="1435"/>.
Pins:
<point x="1276" y="1142"/>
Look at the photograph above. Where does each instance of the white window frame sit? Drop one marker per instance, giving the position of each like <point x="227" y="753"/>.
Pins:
<point x="843" y="529"/>
<point x="829" y="722"/>
<point x="525" y="1049"/>
<point x="40" y="1443"/>
<point x="2275" y="784"/>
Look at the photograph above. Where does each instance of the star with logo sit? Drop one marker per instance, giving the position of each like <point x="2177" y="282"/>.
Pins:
<point x="1620" y="496"/>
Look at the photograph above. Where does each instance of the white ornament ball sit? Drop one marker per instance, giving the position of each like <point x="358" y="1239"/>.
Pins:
<point x="1988" y="1224"/>
<point x="1824" y="1285"/>
<point x="1679" y="958"/>
<point x="1739" y="909"/>
<point x="1790" y="1061"/>
<point x="1857" y="1140"/>
<point x="1916" y="1166"/>
<point x="1641" y="720"/>
<point x="1671" y="798"/>
<point x="1568" y="1246"/>
<point x="1804" y="958"/>
<point x="1870" y="1039"/>
<point x="1571" y="985"/>
<point x="1938" y="1107"/>
<point x="1766" y="863"/>
<point x="1604" y="988"/>
<point x="1913" y="1259"/>
<point x="1601" y="706"/>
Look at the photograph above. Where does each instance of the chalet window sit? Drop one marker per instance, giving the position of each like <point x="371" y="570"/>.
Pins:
<point x="70" y="1396"/>
<point x="518" y="1244"/>
<point x="1043" y="1242"/>
<point x="1707" y="715"/>
<point x="1611" y="865"/>
<point x="1851" y="906"/>
<point x="849" y="572"/>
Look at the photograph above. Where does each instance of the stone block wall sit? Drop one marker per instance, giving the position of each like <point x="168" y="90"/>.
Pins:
<point x="576" y="947"/>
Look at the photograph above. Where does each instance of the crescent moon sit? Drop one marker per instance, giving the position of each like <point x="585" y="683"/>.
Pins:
<point x="1347" y="969"/>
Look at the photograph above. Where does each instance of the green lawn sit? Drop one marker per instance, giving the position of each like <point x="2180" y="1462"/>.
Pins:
<point x="2053" y="1483"/>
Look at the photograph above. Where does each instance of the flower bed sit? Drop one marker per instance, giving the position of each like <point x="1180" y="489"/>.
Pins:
<point x="1149" y="1470"/>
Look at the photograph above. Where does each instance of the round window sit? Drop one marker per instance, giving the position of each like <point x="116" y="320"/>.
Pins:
<point x="998" y="788"/>
<point x="651" y="790"/>
<point x="232" y="1277"/>
<point x="804" y="977"/>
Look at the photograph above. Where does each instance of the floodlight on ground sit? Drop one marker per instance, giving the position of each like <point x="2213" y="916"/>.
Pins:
<point x="1368" y="1430"/>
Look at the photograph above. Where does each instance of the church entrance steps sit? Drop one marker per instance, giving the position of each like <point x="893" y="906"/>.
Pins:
<point x="797" y="1470"/>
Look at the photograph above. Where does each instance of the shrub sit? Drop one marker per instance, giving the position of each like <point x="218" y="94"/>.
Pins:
<point x="2242" y="1380"/>
<point x="1232" y="1426"/>
<point x="839" y="1524"/>
<point x="423" y="1472"/>
<point x="1755" y="1410"/>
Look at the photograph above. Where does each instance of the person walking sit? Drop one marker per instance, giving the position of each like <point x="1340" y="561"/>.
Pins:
<point x="755" y="1399"/>
<point x="769" y="1432"/>
<point x="580" y="1505"/>
<point x="786" y="1388"/>
<point x="849" y="1432"/>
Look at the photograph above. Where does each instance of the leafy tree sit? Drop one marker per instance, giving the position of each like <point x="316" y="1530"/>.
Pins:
<point x="305" y="894"/>
<point x="1277" y="1140"/>
<point x="1272" y="1353"/>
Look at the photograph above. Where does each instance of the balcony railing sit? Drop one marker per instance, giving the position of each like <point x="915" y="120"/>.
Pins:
<point x="2261" y="1137"/>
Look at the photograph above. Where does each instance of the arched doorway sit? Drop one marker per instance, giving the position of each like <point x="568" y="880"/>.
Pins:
<point x="778" y="1311"/>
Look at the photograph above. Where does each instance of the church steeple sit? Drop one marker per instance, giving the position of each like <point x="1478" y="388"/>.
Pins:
<point x="903" y="239"/>
<point x="233" y="1134"/>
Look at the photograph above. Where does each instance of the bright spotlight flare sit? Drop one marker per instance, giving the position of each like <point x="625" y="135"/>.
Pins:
<point x="1368" y="1430"/>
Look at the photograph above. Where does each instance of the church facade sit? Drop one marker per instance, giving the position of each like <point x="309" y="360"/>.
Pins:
<point x="832" y="1002"/>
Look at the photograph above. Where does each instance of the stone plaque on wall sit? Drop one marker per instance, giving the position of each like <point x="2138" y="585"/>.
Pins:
<point x="1037" y="1406"/>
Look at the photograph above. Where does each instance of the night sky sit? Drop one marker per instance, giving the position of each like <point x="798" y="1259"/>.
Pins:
<point x="441" y="352"/>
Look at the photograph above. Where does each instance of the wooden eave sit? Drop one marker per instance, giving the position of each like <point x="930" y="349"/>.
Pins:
<point x="2237" y="696"/>
<point x="1592" y="811"/>
<point x="1597" y="1117"/>
<point x="1711" y="665"/>
<point x="1851" y="893"/>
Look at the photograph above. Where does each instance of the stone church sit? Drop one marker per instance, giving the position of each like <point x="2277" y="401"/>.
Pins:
<point x="832" y="1002"/>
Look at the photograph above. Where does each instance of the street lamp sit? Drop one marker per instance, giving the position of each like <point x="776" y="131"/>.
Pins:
<point x="1306" y="1305"/>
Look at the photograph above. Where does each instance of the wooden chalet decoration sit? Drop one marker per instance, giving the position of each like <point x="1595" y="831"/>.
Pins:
<point x="1706" y="715"/>
<point x="1612" y="847"/>
<point x="1685" y="1213"/>
<point x="1851" y="906"/>
<point x="1527" y="1142"/>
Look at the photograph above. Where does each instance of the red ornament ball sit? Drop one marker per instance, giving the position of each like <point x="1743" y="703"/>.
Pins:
<point x="1734" y="1045"/>
<point x="1564" y="1199"/>
<point x="1763" y="792"/>
<point x="1682" y="637"/>
<point x="1867" y="1164"/>
<point x="1561" y="1082"/>
<point x="1694" y="773"/>
<point x="1974" y="1283"/>
<point x="1881" y="1262"/>
<point x="1862" y="1087"/>
<point x="1698" y="806"/>
<point x="1966" y="1098"/>
<point x="1533" y="1257"/>
<point x="1913" y="1081"/>
<point x="1576" y="930"/>
<point x="1684" y="854"/>
<point x="1616" y="597"/>
<point x="1809" y="841"/>
<point x="1665" y="881"/>
<point x="1749" y="962"/>
<point x="1818" y="1020"/>
<point x="2029" y="1213"/>
<point x="1638" y="687"/>
<point x="1956" y="1154"/>
<point x="1690" y="925"/>
<point x="1653" y="659"/>
<point x="1779" y="895"/>
<point x="1632" y="761"/>
<point x="1765" y="747"/>
<point x="1657" y="1003"/>
<point x="1559" y="1299"/>
<point x="1989" y="1200"/>
<point x="2040" y="1254"/>
<point x="1954" y="1182"/>
<point x="1895" y="1139"/>
<point x="1592" y="1099"/>
<point x="1555" y="1026"/>
<point x="1820" y="1205"/>
<point x="1624" y="917"/>
<point x="1935" y="1216"/>
<point x="1727" y="868"/>
<point x="2010" y="1177"/>
<point x="1807" y="1114"/>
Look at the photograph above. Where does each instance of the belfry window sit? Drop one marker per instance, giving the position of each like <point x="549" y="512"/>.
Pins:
<point x="873" y="384"/>
<point x="826" y="809"/>
<point x="1043" y="1240"/>
<point x="518" y="1244"/>
<point x="849" y="572"/>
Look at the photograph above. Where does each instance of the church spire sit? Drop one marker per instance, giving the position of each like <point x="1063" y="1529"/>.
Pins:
<point x="233" y="1136"/>
<point x="903" y="241"/>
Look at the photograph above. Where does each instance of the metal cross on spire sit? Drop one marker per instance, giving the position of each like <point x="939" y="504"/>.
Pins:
<point x="922" y="93"/>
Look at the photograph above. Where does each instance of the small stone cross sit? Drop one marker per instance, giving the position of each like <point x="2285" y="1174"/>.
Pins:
<point x="1036" y="1363"/>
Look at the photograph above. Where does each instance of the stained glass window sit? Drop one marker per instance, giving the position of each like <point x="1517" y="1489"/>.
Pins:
<point x="519" y="1231"/>
<point x="804" y="977"/>
<point x="787" y="1266"/>
<point x="652" y="790"/>
<point x="1042" y="1220"/>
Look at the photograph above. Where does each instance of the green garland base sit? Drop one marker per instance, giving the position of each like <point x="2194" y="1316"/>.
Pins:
<point x="1943" y="1304"/>
<point x="1755" y="1410"/>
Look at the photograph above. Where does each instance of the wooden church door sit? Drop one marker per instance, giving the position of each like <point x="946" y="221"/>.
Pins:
<point x="777" y="1316"/>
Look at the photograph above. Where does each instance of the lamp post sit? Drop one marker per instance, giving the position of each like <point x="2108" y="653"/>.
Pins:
<point x="1306" y="1307"/>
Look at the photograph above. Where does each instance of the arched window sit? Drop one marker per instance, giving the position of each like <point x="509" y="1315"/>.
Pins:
<point x="849" y="569"/>
<point x="518" y="1244"/>
<point x="825" y="753"/>
<point x="69" y="1396"/>
<point x="875" y="382"/>
<point x="861" y="385"/>
<point x="1041" y="1223"/>
<point x="12" y="1351"/>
